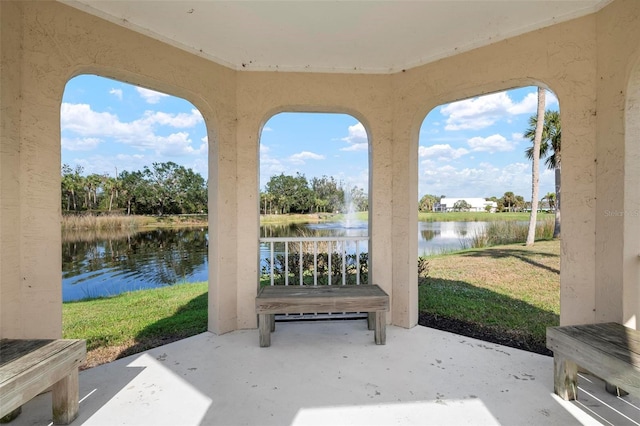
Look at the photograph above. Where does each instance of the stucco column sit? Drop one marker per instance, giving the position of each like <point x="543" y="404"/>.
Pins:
<point x="248" y="216"/>
<point x="381" y="253"/>
<point x="618" y="159"/>
<point x="11" y="319"/>
<point x="223" y="230"/>
<point x="404" y="201"/>
<point x="631" y="251"/>
<point x="32" y="84"/>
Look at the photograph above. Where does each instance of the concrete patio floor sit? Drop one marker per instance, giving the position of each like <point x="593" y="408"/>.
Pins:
<point x="331" y="373"/>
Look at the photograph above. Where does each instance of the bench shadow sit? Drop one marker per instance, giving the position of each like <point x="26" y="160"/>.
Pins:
<point x="172" y="328"/>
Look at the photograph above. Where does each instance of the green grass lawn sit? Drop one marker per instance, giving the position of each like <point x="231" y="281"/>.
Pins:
<point x="478" y="216"/>
<point x="133" y="322"/>
<point x="512" y="290"/>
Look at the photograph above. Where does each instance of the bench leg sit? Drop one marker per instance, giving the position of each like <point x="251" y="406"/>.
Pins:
<point x="11" y="416"/>
<point x="272" y="322"/>
<point x="565" y="377"/>
<point x="264" y="328"/>
<point x="614" y="390"/>
<point x="65" y="399"/>
<point x="381" y="328"/>
<point x="371" y="320"/>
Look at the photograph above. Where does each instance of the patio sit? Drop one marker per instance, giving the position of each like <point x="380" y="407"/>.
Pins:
<point x="332" y="373"/>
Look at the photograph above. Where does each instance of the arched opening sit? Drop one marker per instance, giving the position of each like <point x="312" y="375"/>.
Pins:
<point x="314" y="200"/>
<point x="475" y="188"/>
<point x="631" y="251"/>
<point x="134" y="228"/>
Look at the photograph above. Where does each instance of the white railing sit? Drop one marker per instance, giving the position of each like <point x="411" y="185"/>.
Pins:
<point x="332" y="252"/>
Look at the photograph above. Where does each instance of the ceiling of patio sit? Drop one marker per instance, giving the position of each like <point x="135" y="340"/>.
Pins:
<point x="334" y="36"/>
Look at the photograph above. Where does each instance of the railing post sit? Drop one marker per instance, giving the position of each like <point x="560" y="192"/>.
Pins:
<point x="286" y="263"/>
<point x="357" y="262"/>
<point x="301" y="261"/>
<point x="344" y="263"/>
<point x="271" y="255"/>
<point x="329" y="256"/>
<point x="315" y="263"/>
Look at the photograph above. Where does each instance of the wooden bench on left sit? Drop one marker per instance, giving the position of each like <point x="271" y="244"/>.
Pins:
<point x="30" y="367"/>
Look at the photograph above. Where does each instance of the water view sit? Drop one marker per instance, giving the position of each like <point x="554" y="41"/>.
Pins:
<point x="98" y="263"/>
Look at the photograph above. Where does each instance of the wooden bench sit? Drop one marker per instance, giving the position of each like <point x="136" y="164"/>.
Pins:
<point x="30" y="367"/>
<point x="610" y="351"/>
<point x="321" y="299"/>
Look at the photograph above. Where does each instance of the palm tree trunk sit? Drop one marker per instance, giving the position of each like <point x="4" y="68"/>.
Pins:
<point x="535" y="169"/>
<point x="556" y="227"/>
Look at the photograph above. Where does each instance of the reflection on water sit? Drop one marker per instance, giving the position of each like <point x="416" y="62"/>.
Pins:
<point x="438" y="237"/>
<point x="109" y="265"/>
<point x="99" y="263"/>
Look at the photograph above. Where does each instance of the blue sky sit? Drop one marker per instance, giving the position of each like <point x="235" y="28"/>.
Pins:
<point x="471" y="148"/>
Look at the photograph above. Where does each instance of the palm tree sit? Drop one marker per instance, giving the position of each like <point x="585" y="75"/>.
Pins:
<point x="535" y="170"/>
<point x="550" y="150"/>
<point x="550" y="197"/>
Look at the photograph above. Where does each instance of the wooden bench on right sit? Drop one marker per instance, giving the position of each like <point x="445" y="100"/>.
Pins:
<point x="610" y="351"/>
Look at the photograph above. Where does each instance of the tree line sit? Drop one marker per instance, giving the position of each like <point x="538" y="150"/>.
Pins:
<point x="163" y="188"/>
<point x="168" y="188"/>
<point x="295" y="194"/>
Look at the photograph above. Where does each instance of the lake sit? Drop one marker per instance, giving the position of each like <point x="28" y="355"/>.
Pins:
<point x="98" y="263"/>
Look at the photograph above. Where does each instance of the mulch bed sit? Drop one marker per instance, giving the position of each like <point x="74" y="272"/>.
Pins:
<point x="512" y="339"/>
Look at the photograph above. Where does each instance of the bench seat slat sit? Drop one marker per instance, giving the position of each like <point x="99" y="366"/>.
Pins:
<point x="325" y="299"/>
<point x="610" y="351"/>
<point x="17" y="356"/>
<point x="610" y="332"/>
<point x="611" y="341"/>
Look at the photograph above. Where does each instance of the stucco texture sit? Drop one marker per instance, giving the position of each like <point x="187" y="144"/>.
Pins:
<point x="590" y="63"/>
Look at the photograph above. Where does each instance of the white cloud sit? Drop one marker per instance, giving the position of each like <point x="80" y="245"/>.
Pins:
<point x="301" y="157"/>
<point x="79" y="144"/>
<point x="484" y="111"/>
<point x="491" y="144"/>
<point x="150" y="96"/>
<point x="82" y="120"/>
<point x="267" y="129"/>
<point x="116" y="92"/>
<point x="174" y="145"/>
<point x="482" y="180"/>
<point x="441" y="152"/>
<point x="180" y="120"/>
<point x="528" y="105"/>
<point x="356" y="147"/>
<point x="357" y="138"/>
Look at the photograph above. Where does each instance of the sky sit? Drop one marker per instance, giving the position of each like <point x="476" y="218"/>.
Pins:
<point x="470" y="148"/>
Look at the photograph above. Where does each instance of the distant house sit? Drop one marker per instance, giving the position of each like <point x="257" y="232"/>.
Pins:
<point x="477" y="204"/>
